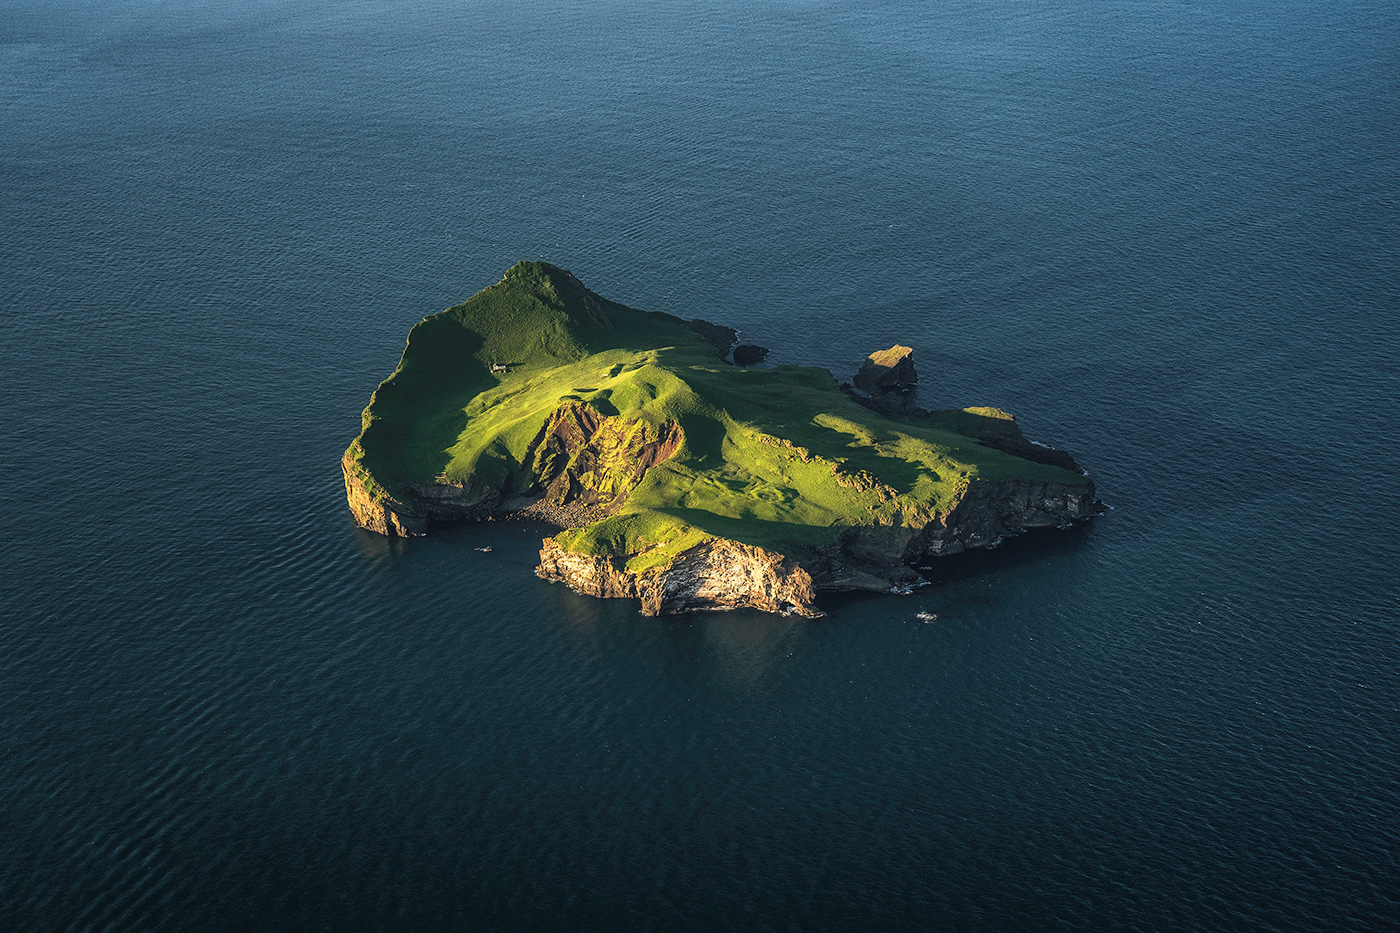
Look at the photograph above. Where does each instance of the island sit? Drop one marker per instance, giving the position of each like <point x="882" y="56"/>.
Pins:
<point x="675" y="476"/>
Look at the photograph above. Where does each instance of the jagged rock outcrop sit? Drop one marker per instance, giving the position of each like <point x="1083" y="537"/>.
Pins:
<point x="746" y="354"/>
<point x="989" y="512"/>
<point x="583" y="455"/>
<point x="385" y="516"/>
<point x="716" y="574"/>
<point x="889" y="370"/>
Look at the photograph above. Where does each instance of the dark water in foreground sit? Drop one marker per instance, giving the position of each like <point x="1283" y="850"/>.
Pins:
<point x="1164" y="234"/>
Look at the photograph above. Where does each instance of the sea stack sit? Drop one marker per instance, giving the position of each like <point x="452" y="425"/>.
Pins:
<point x="889" y="370"/>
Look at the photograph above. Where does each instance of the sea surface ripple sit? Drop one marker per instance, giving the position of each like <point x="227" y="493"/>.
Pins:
<point x="1163" y="234"/>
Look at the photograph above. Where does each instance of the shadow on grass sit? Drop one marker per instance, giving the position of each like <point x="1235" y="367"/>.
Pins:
<point x="758" y="532"/>
<point x="419" y="417"/>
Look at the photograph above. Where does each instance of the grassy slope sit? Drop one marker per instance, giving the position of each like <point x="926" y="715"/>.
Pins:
<point x="778" y="458"/>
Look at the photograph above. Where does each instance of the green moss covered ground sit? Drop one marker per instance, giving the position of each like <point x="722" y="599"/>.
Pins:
<point x="780" y="458"/>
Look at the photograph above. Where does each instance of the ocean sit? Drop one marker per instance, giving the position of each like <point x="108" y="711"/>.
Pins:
<point x="1164" y="234"/>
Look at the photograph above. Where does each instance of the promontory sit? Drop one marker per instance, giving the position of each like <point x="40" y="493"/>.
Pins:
<point x="676" y="477"/>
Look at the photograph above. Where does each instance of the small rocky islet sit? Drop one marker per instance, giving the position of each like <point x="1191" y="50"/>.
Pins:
<point x="676" y="474"/>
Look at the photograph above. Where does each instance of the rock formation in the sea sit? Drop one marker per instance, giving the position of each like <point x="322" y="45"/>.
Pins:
<point x="888" y="370"/>
<point x="720" y="337"/>
<point x="746" y="354"/>
<point x="678" y="480"/>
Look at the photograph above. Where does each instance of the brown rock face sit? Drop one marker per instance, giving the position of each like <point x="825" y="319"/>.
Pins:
<point x="888" y="370"/>
<point x="582" y="462"/>
<point x="581" y="455"/>
<point x="387" y="517"/>
<point x="716" y="574"/>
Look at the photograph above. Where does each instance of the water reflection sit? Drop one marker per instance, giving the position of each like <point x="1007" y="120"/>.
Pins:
<point x="379" y="551"/>
<point x="737" y="649"/>
<point x="746" y="647"/>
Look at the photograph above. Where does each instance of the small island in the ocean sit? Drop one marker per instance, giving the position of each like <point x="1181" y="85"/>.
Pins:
<point x="677" y="477"/>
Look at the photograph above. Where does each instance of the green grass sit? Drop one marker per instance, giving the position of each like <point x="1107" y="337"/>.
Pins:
<point x="779" y="457"/>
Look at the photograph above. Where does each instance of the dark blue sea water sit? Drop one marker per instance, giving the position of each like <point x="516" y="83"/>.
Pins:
<point x="1165" y="234"/>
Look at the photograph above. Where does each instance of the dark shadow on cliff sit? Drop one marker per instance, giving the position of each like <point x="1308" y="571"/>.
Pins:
<point x="1026" y="548"/>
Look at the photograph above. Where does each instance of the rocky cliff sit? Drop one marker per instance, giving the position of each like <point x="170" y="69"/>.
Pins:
<point x="722" y="574"/>
<point x="384" y="515"/>
<point x="716" y="574"/>
<point x="417" y="506"/>
<point x="990" y="512"/>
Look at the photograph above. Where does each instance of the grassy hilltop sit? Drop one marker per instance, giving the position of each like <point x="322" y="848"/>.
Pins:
<point x="779" y="458"/>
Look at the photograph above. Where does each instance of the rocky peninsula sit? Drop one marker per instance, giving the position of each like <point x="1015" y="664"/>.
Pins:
<point x="677" y="477"/>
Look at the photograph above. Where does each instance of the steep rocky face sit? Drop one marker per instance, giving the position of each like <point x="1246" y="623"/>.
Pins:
<point x="869" y="558"/>
<point x="716" y="574"/>
<point x="989" y="512"/>
<point x="879" y="558"/>
<point x="387" y="517"/>
<point x="723" y="574"/>
<point x="888" y="370"/>
<point x="421" y="505"/>
<point x="583" y="455"/>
